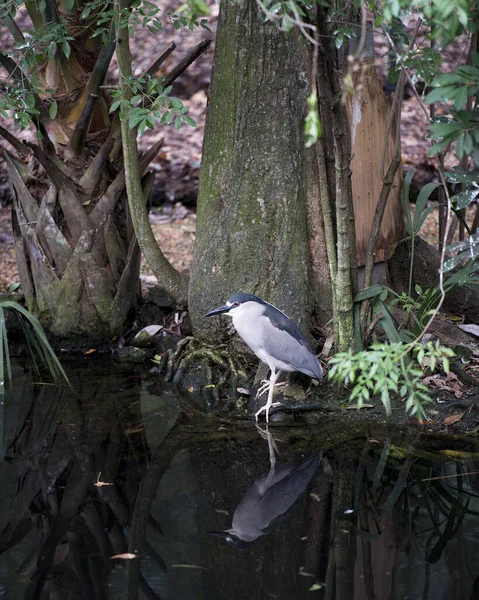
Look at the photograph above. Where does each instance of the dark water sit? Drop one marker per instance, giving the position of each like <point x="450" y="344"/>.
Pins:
<point x="126" y="466"/>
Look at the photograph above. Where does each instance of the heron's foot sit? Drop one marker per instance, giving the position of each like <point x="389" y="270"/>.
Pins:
<point x="266" y="385"/>
<point x="266" y="409"/>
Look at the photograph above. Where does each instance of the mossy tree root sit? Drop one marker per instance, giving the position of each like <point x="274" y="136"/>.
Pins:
<point x="189" y="351"/>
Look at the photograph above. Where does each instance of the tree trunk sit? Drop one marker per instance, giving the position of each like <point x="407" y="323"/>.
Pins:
<point x="258" y="181"/>
<point x="79" y="266"/>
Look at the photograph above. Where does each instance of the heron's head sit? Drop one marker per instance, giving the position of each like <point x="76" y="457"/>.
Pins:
<point x="231" y="538"/>
<point x="236" y="305"/>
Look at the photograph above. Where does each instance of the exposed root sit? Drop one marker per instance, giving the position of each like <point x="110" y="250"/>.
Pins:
<point x="188" y="351"/>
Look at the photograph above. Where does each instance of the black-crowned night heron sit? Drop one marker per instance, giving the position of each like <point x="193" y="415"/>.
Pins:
<point x="269" y="500"/>
<point x="274" y="338"/>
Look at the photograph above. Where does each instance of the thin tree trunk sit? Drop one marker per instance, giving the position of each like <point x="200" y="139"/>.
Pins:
<point x="172" y="281"/>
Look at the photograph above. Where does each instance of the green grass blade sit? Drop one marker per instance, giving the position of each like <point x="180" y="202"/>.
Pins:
<point x="387" y="322"/>
<point x="358" y="340"/>
<point x="421" y="202"/>
<point x="370" y="292"/>
<point x="40" y="342"/>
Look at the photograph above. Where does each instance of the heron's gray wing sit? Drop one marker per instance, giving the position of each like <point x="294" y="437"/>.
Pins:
<point x="285" y="342"/>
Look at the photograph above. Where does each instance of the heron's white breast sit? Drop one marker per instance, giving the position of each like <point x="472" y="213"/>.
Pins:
<point x="252" y="326"/>
<point x="248" y="321"/>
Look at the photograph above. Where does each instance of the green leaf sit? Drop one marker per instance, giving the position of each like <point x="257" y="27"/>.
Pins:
<point x="198" y="7"/>
<point x="439" y="146"/>
<point x="460" y="147"/>
<point x="448" y="79"/>
<point x="189" y="121"/>
<point x="114" y="106"/>
<point x="468" y="143"/>
<point x="166" y="118"/>
<point x="443" y="130"/>
<point x="177" y="123"/>
<point x="386" y="321"/>
<point x="53" y="110"/>
<point x="135" y="118"/>
<point x="441" y="94"/>
<point x="66" y="49"/>
<point x="464" y="198"/>
<point x="421" y="202"/>
<point x="461" y="98"/>
<point x="370" y="292"/>
<point x="423" y="216"/>
<point x="176" y="104"/>
<point x="141" y="127"/>
<point x="468" y="72"/>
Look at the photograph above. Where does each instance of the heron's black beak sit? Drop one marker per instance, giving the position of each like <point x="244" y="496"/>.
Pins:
<point x="218" y="311"/>
<point x="221" y="534"/>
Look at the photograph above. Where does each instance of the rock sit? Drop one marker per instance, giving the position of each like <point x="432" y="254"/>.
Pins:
<point x="132" y="354"/>
<point x="160" y="298"/>
<point x="146" y="338"/>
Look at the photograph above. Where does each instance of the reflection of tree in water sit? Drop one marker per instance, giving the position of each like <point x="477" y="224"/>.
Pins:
<point x="384" y="517"/>
<point x="402" y="522"/>
<point x="61" y="529"/>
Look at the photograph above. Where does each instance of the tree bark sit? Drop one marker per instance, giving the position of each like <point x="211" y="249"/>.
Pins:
<point x="173" y="282"/>
<point x="256" y="177"/>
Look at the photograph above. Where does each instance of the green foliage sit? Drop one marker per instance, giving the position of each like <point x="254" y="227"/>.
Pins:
<point x="408" y="304"/>
<point x="22" y="91"/>
<point x="43" y="43"/>
<point x="456" y="127"/>
<point x="144" y="14"/>
<point x="445" y="19"/>
<point x="466" y="251"/>
<point x="21" y="102"/>
<point x="38" y="344"/>
<point x="421" y="211"/>
<point x="150" y="102"/>
<point x="386" y="370"/>
<point x="420" y="308"/>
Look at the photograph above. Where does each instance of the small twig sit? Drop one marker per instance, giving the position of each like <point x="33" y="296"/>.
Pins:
<point x="362" y="39"/>
<point x="157" y="62"/>
<point x="296" y="21"/>
<point x="186" y="62"/>
<point x="80" y="133"/>
<point x="19" y="146"/>
<point x="450" y="476"/>
<point x="372" y="326"/>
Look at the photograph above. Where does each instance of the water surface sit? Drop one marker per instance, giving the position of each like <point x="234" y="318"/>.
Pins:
<point x="127" y="466"/>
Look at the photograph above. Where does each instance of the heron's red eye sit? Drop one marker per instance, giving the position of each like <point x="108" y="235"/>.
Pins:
<point x="237" y="303"/>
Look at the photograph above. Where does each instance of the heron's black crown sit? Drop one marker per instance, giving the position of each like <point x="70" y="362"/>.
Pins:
<point x="241" y="297"/>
